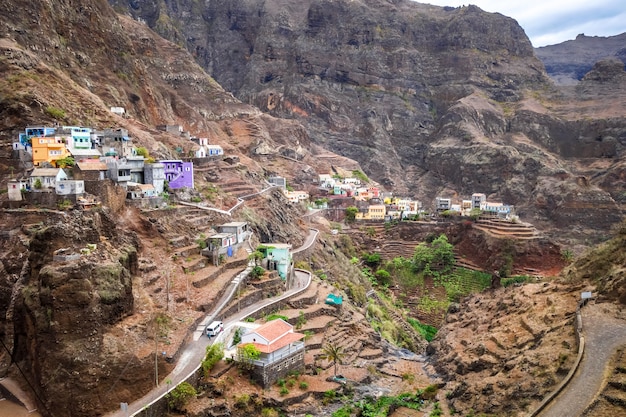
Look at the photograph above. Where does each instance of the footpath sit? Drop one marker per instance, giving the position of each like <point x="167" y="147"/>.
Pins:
<point x="604" y="333"/>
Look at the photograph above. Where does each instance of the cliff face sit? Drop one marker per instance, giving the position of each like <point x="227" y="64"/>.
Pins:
<point x="568" y="62"/>
<point x="428" y="100"/>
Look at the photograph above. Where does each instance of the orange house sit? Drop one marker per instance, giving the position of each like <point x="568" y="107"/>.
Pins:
<point x="48" y="149"/>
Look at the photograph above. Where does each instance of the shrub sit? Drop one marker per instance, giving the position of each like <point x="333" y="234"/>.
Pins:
<point x="214" y="354"/>
<point x="304" y="385"/>
<point x="257" y="272"/>
<point x="284" y="391"/>
<point x="269" y="412"/>
<point x="276" y="317"/>
<point x="181" y="395"/>
<point x="55" y="112"/>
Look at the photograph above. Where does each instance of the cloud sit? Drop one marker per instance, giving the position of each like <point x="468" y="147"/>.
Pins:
<point x="547" y="22"/>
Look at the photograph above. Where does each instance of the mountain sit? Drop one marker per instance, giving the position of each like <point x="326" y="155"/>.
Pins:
<point x="430" y="101"/>
<point x="569" y="61"/>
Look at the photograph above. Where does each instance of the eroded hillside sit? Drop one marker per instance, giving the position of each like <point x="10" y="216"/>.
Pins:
<point x="429" y="100"/>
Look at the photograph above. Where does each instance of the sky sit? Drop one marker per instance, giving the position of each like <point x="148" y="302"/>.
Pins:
<point x="548" y="22"/>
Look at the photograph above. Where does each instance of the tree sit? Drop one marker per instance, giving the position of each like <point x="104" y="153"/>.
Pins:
<point x="214" y="354"/>
<point x="257" y="256"/>
<point x="351" y="213"/>
<point x="37" y="184"/>
<point x="333" y="353"/>
<point x="246" y="354"/>
<point x="68" y="161"/>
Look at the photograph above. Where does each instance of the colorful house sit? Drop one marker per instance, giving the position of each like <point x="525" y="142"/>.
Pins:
<point x="178" y="174"/>
<point x="277" y="256"/>
<point x="46" y="178"/>
<point x="48" y="149"/>
<point x="281" y="350"/>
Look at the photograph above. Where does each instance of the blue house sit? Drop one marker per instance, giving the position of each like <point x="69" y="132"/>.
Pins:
<point x="277" y="256"/>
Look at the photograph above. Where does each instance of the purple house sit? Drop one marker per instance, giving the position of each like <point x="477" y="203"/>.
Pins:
<point x="178" y="174"/>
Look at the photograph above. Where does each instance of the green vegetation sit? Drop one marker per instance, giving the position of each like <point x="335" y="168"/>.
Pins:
<point x="246" y="354"/>
<point x="180" y="396"/>
<point x="37" y="184"/>
<point x="333" y="353"/>
<point x="237" y="336"/>
<point x="55" y="112"/>
<point x="360" y="176"/>
<point x="68" y="161"/>
<point x="275" y="316"/>
<point x="257" y="272"/>
<point x="427" y="331"/>
<point x="301" y="321"/>
<point x="383" y="406"/>
<point x="351" y="214"/>
<point x="214" y="354"/>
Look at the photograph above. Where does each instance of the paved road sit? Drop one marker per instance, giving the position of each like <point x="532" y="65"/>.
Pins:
<point x="604" y="333"/>
<point x="190" y="359"/>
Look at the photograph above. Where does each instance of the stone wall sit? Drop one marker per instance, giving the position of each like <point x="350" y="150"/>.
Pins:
<point x="267" y="375"/>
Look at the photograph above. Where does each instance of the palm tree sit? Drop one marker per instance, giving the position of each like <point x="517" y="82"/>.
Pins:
<point x="333" y="353"/>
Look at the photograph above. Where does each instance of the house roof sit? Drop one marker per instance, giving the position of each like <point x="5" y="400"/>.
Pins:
<point x="279" y="343"/>
<point x="237" y="224"/>
<point x="92" y="166"/>
<point x="85" y="152"/>
<point x="45" y="172"/>
<point x="273" y="329"/>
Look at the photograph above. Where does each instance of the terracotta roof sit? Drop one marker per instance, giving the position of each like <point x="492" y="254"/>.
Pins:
<point x="279" y="343"/>
<point x="45" y="172"/>
<point x="92" y="166"/>
<point x="274" y="329"/>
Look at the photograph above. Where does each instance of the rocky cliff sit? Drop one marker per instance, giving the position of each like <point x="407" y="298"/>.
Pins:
<point x="569" y="61"/>
<point x="430" y="101"/>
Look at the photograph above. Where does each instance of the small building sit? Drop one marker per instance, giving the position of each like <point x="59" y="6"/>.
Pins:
<point x="120" y="111"/>
<point x="214" y="150"/>
<point x="136" y="191"/>
<point x="198" y="151"/>
<point x="155" y="174"/>
<point x="15" y="189"/>
<point x="374" y="212"/>
<point x="443" y="204"/>
<point x="281" y="351"/>
<point x="296" y="196"/>
<point x="239" y="229"/>
<point x="277" y="257"/>
<point x="178" y="174"/>
<point x="90" y="170"/>
<point x="70" y="187"/>
<point x="278" y="181"/>
<point x="46" y="178"/>
<point x="125" y="170"/>
<point x="478" y="199"/>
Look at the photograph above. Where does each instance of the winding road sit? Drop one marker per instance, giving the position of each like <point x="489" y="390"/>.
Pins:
<point x="604" y="333"/>
<point x="190" y="359"/>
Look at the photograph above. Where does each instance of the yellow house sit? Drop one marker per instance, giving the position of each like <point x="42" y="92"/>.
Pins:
<point x="48" y="149"/>
<point x="374" y="212"/>
<point x="377" y="212"/>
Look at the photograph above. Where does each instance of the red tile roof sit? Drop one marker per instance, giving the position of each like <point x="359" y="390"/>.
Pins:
<point x="274" y="329"/>
<point x="279" y="343"/>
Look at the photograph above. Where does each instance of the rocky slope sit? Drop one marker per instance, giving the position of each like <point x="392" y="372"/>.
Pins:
<point x="569" y="61"/>
<point x="428" y="100"/>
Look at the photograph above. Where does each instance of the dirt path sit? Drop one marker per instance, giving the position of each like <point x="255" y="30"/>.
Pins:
<point x="604" y="328"/>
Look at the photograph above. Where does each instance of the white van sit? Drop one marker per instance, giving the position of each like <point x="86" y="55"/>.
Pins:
<point x="214" y="328"/>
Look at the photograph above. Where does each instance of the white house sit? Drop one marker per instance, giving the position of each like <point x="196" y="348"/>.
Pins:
<point x="274" y="340"/>
<point x="70" y="187"/>
<point x="214" y="150"/>
<point x="46" y="178"/>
